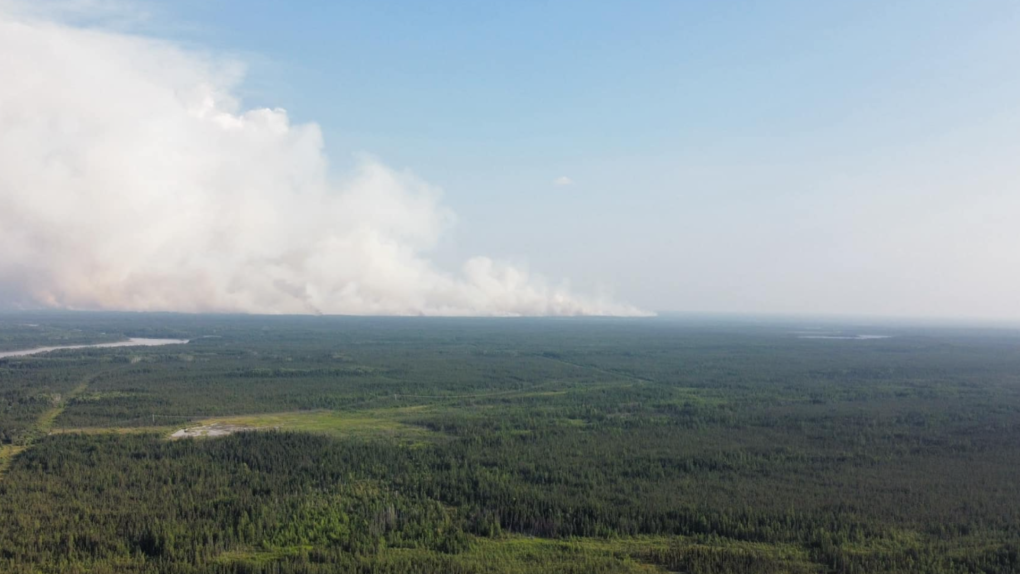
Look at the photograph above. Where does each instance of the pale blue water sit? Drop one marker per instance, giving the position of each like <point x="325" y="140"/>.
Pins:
<point x="132" y="342"/>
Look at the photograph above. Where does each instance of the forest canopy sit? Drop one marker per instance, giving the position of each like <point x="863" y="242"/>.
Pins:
<point x="479" y="445"/>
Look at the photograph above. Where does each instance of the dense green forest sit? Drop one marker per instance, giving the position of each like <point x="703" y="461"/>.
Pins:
<point x="513" y="445"/>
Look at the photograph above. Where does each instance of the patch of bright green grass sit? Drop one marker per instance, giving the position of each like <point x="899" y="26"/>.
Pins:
<point x="115" y="430"/>
<point x="260" y="556"/>
<point x="516" y="554"/>
<point x="390" y="423"/>
<point x="510" y="555"/>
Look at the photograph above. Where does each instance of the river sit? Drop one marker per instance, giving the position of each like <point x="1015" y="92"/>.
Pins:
<point x="132" y="342"/>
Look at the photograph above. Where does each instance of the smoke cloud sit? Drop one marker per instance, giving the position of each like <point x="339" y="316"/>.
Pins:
<point x="130" y="178"/>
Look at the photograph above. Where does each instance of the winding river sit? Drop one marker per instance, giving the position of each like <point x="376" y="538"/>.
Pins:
<point x="132" y="342"/>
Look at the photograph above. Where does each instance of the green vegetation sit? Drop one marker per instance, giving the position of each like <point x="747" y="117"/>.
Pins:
<point x="7" y="454"/>
<point x="389" y="423"/>
<point x="433" y="445"/>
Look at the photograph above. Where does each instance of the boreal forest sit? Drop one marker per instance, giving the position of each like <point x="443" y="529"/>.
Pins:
<point x="313" y="445"/>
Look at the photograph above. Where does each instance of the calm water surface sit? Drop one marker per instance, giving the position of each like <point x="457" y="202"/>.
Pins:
<point x="132" y="342"/>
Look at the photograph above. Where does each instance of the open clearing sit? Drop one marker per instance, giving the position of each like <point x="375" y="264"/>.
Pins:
<point x="43" y="425"/>
<point x="386" y="423"/>
<point x="389" y="423"/>
<point x="210" y="430"/>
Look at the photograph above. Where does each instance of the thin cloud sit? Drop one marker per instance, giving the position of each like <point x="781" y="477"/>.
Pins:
<point x="110" y="14"/>
<point x="563" y="181"/>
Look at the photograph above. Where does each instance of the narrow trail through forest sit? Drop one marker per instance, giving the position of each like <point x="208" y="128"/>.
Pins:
<point x="44" y="424"/>
<point x="7" y="454"/>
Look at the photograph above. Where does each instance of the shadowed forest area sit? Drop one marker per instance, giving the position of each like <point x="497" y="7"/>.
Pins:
<point x="511" y="445"/>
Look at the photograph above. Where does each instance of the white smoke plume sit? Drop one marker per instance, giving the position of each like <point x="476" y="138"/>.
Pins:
<point x="131" y="179"/>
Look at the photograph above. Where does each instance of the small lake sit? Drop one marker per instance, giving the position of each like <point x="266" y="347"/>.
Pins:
<point x="132" y="342"/>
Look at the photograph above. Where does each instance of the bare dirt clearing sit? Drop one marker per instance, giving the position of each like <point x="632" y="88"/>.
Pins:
<point x="211" y="430"/>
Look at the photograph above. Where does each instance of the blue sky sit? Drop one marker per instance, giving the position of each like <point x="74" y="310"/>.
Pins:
<point x="785" y="156"/>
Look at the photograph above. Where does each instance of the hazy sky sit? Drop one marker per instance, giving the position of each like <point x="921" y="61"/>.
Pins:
<point x="767" y="157"/>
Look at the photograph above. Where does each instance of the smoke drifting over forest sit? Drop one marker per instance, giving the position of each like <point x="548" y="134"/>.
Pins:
<point x="131" y="178"/>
